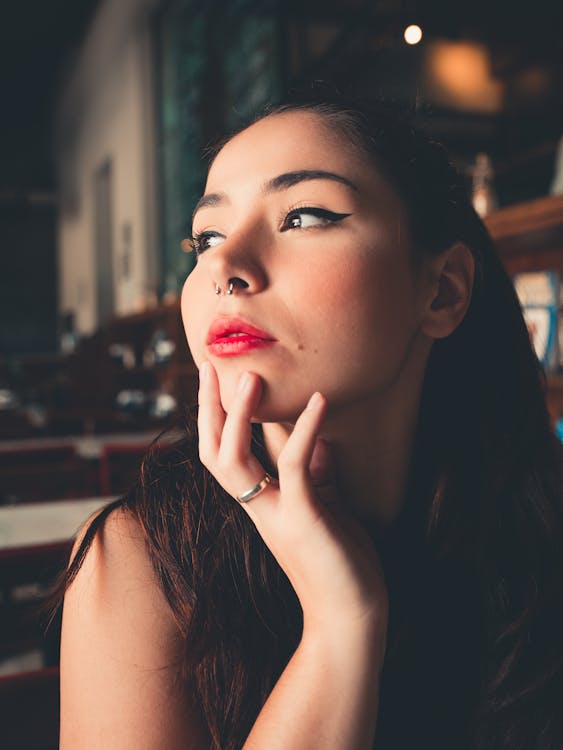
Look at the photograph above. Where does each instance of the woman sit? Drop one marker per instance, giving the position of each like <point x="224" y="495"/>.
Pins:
<point x="359" y="543"/>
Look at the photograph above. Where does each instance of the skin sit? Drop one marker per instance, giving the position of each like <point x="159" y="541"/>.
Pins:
<point x="352" y="318"/>
<point x="354" y="324"/>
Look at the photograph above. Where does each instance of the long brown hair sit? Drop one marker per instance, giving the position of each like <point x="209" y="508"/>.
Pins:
<point x="475" y="562"/>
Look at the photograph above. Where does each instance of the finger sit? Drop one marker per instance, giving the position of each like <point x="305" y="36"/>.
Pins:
<point x="295" y="458"/>
<point x="234" y="477"/>
<point x="298" y="450"/>
<point x="322" y="470"/>
<point x="322" y="464"/>
<point x="211" y="416"/>
<point x="237" y="468"/>
<point x="235" y="450"/>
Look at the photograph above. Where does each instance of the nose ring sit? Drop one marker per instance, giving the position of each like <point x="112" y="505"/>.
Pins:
<point x="229" y="290"/>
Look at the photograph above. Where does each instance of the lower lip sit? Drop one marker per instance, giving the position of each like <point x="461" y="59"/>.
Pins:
<point x="230" y="347"/>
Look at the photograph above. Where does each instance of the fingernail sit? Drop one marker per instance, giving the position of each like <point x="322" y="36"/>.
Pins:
<point x="204" y="372"/>
<point x="244" y="382"/>
<point x="315" y="401"/>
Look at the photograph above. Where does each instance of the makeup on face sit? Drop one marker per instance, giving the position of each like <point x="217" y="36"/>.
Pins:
<point x="307" y="232"/>
<point x="231" y="336"/>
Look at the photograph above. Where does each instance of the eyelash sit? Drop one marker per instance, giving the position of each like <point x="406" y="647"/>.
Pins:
<point x="197" y="240"/>
<point x="320" y="213"/>
<point x="331" y="217"/>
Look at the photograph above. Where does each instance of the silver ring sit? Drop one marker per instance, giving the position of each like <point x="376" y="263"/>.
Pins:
<point x="256" y="490"/>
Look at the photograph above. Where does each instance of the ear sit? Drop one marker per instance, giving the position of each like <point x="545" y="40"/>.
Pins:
<point x="451" y="275"/>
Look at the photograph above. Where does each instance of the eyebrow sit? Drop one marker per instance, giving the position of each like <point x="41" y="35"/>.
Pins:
<point x="288" y="179"/>
<point x="276" y="184"/>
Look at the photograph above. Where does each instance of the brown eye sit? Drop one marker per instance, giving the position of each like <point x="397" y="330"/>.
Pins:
<point x="309" y="217"/>
<point x="205" y="240"/>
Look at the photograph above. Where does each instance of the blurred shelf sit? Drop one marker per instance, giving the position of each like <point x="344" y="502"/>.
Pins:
<point x="148" y="315"/>
<point x="522" y="218"/>
<point x="188" y="368"/>
<point x="555" y="382"/>
<point x="77" y="392"/>
<point x="529" y="236"/>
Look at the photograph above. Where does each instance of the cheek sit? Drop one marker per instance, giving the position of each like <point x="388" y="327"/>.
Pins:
<point x="359" y="297"/>
<point x="190" y="304"/>
<point x="359" y="318"/>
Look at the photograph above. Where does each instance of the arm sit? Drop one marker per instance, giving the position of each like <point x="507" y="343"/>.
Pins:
<point x="121" y="653"/>
<point x="327" y="697"/>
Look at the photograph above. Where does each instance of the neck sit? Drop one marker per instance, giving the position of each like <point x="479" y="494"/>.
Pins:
<point x="372" y="442"/>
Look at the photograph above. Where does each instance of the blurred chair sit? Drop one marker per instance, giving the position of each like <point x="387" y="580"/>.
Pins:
<point x="29" y="710"/>
<point x="120" y="464"/>
<point x="50" y="473"/>
<point x="15" y="424"/>
<point x="14" y="457"/>
<point x="25" y="572"/>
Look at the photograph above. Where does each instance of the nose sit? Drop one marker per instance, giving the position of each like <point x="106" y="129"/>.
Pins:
<point x="234" y="269"/>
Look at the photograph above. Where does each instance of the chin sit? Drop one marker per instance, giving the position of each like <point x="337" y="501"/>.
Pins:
<point x="264" y="416"/>
<point x="269" y="408"/>
<point x="270" y="411"/>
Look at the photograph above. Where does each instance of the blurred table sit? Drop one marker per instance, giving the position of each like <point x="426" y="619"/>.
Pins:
<point x="35" y="544"/>
<point x="39" y="524"/>
<point x="86" y="446"/>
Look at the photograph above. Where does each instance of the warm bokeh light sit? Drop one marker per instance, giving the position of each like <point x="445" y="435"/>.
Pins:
<point x="458" y="74"/>
<point x="413" y="34"/>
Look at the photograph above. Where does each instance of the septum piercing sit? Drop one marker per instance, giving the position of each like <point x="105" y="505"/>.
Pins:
<point x="229" y="290"/>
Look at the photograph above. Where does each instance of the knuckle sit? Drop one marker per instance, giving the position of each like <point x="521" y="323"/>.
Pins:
<point x="230" y="456"/>
<point x="287" y="461"/>
<point x="224" y="465"/>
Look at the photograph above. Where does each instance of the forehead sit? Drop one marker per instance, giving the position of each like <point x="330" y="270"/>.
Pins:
<point x="283" y="143"/>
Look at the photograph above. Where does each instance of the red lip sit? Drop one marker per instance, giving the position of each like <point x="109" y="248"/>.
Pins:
<point x="221" y="341"/>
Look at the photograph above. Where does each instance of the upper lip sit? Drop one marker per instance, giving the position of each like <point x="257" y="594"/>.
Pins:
<point x="223" y="326"/>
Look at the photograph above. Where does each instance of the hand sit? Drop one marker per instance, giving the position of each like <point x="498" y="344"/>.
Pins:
<point x="328" y="557"/>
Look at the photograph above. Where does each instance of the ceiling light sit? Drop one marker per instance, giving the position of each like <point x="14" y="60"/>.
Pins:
<point x="412" y="34"/>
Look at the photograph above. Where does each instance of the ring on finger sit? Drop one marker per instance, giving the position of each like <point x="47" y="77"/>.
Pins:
<point x="244" y="497"/>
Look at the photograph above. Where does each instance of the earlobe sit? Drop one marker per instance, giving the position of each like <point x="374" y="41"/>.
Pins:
<point x="453" y="273"/>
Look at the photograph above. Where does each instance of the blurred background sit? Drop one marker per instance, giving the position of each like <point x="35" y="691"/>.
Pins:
<point x="107" y="106"/>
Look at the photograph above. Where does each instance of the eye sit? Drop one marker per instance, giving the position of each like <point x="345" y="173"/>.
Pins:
<point x="205" y="240"/>
<point x="309" y="217"/>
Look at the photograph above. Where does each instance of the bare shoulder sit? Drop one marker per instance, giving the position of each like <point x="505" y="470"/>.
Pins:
<point x="122" y="652"/>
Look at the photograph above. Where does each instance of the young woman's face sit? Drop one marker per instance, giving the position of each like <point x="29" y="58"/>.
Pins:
<point x="317" y="247"/>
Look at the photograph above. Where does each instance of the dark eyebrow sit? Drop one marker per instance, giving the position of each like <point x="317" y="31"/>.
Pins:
<point x="211" y="199"/>
<point x="288" y="179"/>
<point x="281" y="182"/>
